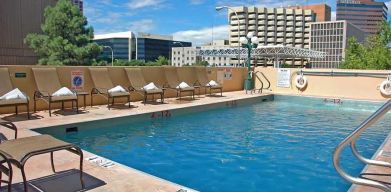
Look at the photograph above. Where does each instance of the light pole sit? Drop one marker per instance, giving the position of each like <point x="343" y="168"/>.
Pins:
<point x="237" y="17"/>
<point x="112" y="54"/>
<point x="183" y="51"/>
<point x="250" y="42"/>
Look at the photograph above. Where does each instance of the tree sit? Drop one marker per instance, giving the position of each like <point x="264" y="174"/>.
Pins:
<point x="66" y="39"/>
<point x="161" y="60"/>
<point x="202" y="63"/>
<point x="373" y="54"/>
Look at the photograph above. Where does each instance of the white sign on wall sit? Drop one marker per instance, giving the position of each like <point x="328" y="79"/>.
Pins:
<point x="284" y="78"/>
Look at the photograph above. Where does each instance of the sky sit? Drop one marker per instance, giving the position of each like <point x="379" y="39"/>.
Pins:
<point x="196" y="21"/>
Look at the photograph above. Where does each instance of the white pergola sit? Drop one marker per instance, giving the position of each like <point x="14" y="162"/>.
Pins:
<point x="272" y="52"/>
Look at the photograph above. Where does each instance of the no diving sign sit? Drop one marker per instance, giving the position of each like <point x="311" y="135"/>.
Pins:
<point x="77" y="79"/>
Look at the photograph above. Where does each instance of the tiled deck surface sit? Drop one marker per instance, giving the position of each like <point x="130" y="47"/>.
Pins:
<point x="118" y="178"/>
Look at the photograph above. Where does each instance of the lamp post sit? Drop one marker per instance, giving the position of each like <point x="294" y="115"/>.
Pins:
<point x="112" y="54"/>
<point x="250" y="42"/>
<point x="183" y="51"/>
<point x="237" y="17"/>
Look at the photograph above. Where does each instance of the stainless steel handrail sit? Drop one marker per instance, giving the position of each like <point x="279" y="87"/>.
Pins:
<point x="344" y="73"/>
<point x="351" y="139"/>
<point x="260" y="80"/>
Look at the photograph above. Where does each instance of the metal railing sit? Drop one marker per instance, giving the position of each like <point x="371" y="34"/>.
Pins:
<point x="344" y="73"/>
<point x="260" y="80"/>
<point x="351" y="139"/>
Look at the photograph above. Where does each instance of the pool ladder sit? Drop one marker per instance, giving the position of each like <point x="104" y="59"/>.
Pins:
<point x="351" y="140"/>
<point x="257" y="77"/>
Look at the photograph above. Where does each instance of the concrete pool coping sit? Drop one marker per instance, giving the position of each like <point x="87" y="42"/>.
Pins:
<point x="117" y="177"/>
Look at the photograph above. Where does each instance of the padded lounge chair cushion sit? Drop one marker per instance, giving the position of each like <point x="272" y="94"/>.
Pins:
<point x="17" y="149"/>
<point x="13" y="101"/>
<point x="153" y="91"/>
<point x="64" y="98"/>
<point x="119" y="94"/>
<point x="188" y="89"/>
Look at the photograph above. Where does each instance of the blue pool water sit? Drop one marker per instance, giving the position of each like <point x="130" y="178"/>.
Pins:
<point x="280" y="145"/>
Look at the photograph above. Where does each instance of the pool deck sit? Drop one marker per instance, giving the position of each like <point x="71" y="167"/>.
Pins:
<point x="377" y="173"/>
<point x="117" y="178"/>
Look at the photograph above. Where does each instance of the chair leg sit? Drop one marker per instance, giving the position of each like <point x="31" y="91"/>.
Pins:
<point x="28" y="111"/>
<point x="35" y="106"/>
<point x="145" y="98"/>
<point x="50" y="109"/>
<point x="24" y="178"/>
<point x="92" y="98"/>
<point x="52" y="162"/>
<point x="161" y="98"/>
<point x="129" y="101"/>
<point x="108" y="103"/>
<point x="16" y="109"/>
<point x="77" y="105"/>
<point x="62" y="105"/>
<point x="80" y="152"/>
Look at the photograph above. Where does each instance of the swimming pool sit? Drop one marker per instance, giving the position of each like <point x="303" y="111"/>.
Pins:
<point x="280" y="145"/>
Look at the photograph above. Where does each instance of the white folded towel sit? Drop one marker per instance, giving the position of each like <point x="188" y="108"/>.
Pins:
<point x="117" y="89"/>
<point x="14" y="94"/>
<point x="182" y="85"/>
<point x="63" y="92"/>
<point x="150" y="86"/>
<point x="212" y="83"/>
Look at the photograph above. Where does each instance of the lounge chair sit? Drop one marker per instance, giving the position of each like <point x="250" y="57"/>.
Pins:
<point x="5" y="88"/>
<point x="48" y="85"/>
<point x="173" y="83"/>
<point x="203" y="81"/>
<point x="103" y="85"/>
<point x="137" y="84"/>
<point x="18" y="151"/>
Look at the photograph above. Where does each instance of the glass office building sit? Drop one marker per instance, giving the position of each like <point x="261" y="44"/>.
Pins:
<point x="144" y="46"/>
<point x="365" y="14"/>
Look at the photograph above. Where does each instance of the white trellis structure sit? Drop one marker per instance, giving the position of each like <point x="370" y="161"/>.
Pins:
<point x="269" y="52"/>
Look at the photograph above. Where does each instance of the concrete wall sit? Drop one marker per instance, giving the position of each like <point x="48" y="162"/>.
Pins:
<point x="118" y="77"/>
<point x="366" y="88"/>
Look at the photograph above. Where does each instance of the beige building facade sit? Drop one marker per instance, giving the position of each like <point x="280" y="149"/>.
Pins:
<point x="273" y="26"/>
<point x="332" y="37"/>
<point x="188" y="55"/>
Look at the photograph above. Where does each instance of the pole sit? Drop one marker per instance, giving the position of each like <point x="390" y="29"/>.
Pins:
<point x="237" y="17"/>
<point x="112" y="54"/>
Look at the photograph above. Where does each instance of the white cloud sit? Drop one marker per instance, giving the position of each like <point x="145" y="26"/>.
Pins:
<point x="333" y="15"/>
<point x="202" y="36"/>
<point x="144" y="25"/>
<point x="388" y="3"/>
<point x="264" y="3"/>
<point x="139" y="4"/>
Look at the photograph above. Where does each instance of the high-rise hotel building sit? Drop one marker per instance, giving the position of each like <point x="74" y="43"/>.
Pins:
<point x="365" y="14"/>
<point x="273" y="26"/>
